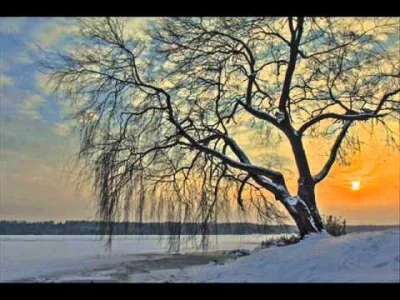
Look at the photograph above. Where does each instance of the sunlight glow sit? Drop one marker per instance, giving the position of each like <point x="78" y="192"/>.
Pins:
<point x="355" y="185"/>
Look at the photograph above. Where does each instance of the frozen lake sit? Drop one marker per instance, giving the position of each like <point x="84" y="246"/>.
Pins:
<point x="26" y="257"/>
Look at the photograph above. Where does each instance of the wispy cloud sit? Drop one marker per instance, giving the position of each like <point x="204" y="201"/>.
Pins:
<point x="3" y="65"/>
<point x="22" y="57"/>
<point x="43" y="83"/>
<point x="30" y="106"/>
<point x="9" y="26"/>
<point x="62" y="129"/>
<point x="6" y="80"/>
<point x="51" y="33"/>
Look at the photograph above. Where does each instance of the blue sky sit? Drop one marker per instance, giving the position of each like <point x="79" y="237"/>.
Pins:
<point x="34" y="138"/>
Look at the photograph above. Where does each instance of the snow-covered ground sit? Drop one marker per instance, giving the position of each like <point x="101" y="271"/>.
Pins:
<point x="364" y="257"/>
<point x="358" y="257"/>
<point x="41" y="257"/>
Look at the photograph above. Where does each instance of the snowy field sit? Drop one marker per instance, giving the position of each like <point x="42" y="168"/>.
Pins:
<point x="354" y="258"/>
<point x="45" y="257"/>
<point x="358" y="257"/>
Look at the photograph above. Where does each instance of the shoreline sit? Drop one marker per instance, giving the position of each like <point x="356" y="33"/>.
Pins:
<point x="142" y="264"/>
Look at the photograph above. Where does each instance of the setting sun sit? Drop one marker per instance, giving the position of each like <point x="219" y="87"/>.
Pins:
<point x="355" y="185"/>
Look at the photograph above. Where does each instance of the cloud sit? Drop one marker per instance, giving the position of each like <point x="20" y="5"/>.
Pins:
<point x="134" y="27"/>
<point x="5" y="153"/>
<point x="22" y="57"/>
<point x="43" y="83"/>
<point x="51" y="33"/>
<point x="6" y="80"/>
<point x="3" y="65"/>
<point x="35" y="173"/>
<point x="382" y="37"/>
<point x="35" y="186"/>
<point x="62" y="129"/>
<point x="30" y="105"/>
<point x="9" y="26"/>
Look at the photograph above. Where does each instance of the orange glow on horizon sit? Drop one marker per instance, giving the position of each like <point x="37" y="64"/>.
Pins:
<point x="367" y="188"/>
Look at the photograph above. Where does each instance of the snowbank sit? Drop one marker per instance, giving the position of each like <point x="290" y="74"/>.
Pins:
<point x="364" y="257"/>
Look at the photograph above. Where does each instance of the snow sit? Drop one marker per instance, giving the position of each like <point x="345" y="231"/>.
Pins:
<point x="292" y="200"/>
<point x="357" y="257"/>
<point x="363" y="257"/>
<point x="37" y="256"/>
<point x="309" y="213"/>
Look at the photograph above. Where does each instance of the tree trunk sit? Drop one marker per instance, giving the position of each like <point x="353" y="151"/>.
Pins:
<point x="303" y="207"/>
<point x="304" y="211"/>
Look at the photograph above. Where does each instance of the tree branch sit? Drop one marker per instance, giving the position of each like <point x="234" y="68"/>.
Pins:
<point x="294" y="47"/>
<point x="353" y="116"/>
<point x="332" y="157"/>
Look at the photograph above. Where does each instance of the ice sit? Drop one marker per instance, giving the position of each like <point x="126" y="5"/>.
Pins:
<point x="33" y="256"/>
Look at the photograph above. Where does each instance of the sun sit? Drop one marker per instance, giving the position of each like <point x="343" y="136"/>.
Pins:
<point x="355" y="185"/>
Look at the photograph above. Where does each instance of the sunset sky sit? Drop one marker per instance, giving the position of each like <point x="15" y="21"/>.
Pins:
<point x="37" y="145"/>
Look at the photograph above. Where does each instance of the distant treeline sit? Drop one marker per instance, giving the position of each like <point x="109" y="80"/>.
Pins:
<point x="167" y="228"/>
<point x="364" y="228"/>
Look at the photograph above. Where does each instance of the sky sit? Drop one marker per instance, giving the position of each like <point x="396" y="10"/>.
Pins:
<point x="37" y="145"/>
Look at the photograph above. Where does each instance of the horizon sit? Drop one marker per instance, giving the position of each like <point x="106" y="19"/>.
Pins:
<point x="136" y="222"/>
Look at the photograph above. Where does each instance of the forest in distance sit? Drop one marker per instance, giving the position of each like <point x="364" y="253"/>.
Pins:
<point x="156" y="228"/>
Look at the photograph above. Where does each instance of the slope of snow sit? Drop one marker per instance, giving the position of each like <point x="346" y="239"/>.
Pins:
<point x="364" y="257"/>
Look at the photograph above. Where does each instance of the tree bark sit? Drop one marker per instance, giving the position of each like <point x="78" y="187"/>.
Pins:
<point x="304" y="211"/>
<point x="303" y="207"/>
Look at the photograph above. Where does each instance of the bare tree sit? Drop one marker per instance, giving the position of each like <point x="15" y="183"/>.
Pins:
<point x="158" y="115"/>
